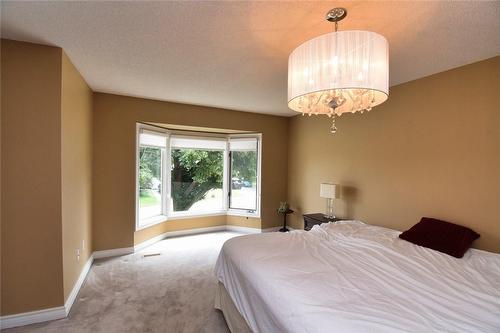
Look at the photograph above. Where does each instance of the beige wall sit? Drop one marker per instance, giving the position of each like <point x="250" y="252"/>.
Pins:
<point x="176" y="225"/>
<point x="252" y="222"/>
<point x="193" y="223"/>
<point x="46" y="173"/>
<point x="31" y="177"/>
<point x="433" y="149"/>
<point x="114" y="162"/>
<point x="76" y="164"/>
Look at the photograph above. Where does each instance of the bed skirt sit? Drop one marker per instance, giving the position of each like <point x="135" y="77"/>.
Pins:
<point x="224" y="303"/>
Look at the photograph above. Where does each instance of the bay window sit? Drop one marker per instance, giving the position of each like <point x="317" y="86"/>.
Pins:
<point x="185" y="175"/>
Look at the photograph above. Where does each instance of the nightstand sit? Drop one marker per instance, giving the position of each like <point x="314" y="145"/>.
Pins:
<point x="312" y="219"/>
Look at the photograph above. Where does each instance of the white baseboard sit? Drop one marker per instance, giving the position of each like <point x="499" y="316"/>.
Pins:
<point x="187" y="232"/>
<point x="168" y="234"/>
<point x="32" y="317"/>
<point x="113" y="252"/>
<point x="78" y="285"/>
<point x="273" y="229"/>
<point x="245" y="230"/>
<point x="178" y="233"/>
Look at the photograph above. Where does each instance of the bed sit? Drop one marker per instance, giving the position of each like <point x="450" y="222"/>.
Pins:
<point x="352" y="277"/>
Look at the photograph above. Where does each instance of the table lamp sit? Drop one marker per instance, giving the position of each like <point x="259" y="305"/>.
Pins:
<point x="330" y="192"/>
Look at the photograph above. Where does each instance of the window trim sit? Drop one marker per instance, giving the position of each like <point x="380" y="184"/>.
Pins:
<point x="167" y="214"/>
<point x="150" y="221"/>
<point x="184" y="214"/>
<point x="239" y="211"/>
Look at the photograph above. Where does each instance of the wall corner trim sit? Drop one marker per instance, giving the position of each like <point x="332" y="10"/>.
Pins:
<point x="113" y="252"/>
<point x="78" y="285"/>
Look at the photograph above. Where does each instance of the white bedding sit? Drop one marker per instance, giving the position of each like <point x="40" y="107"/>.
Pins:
<point x="352" y="277"/>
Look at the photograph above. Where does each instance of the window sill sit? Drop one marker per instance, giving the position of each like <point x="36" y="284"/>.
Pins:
<point x="243" y="213"/>
<point x="182" y="216"/>
<point x="151" y="221"/>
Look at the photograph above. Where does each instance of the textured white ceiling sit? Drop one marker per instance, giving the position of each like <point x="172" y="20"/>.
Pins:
<point x="234" y="54"/>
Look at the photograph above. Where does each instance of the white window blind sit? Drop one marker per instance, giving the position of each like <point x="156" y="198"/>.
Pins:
<point x="243" y="144"/>
<point x="149" y="138"/>
<point x="177" y="141"/>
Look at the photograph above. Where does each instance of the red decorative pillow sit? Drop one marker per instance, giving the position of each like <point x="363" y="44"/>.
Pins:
<point x="441" y="236"/>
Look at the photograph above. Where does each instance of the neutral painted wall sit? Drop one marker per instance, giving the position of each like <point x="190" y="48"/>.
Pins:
<point x="114" y="175"/>
<point x="433" y="149"/>
<point x="76" y="167"/>
<point x="32" y="271"/>
<point x="251" y="222"/>
<point x="46" y="173"/>
<point x="176" y="225"/>
<point x="193" y="223"/>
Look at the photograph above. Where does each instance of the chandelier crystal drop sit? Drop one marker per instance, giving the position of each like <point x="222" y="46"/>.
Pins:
<point x="339" y="72"/>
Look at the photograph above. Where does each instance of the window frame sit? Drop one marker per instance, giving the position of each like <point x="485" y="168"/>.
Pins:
<point x="167" y="213"/>
<point x="150" y="221"/>
<point x="242" y="211"/>
<point x="186" y="214"/>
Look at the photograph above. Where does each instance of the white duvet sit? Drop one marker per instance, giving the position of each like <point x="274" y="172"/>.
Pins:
<point x="352" y="277"/>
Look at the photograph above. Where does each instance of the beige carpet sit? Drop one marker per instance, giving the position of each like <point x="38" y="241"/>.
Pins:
<point x="173" y="292"/>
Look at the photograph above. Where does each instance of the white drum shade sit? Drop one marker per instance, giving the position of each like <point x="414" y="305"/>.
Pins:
<point x="345" y="71"/>
<point x="328" y="190"/>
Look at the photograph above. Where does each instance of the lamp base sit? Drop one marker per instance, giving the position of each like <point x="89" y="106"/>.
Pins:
<point x="329" y="209"/>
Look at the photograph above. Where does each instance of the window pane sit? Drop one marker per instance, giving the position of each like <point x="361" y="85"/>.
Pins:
<point x="197" y="177"/>
<point x="150" y="182"/>
<point x="244" y="176"/>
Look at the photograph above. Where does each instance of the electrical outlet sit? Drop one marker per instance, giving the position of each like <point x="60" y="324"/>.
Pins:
<point x="77" y="254"/>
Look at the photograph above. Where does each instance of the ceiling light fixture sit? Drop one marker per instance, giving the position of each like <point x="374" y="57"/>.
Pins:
<point x="339" y="72"/>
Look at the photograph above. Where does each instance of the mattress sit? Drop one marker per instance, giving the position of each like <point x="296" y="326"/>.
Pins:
<point x="352" y="277"/>
<point x="224" y="303"/>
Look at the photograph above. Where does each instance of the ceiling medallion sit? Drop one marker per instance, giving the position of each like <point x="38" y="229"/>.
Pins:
<point x="339" y="72"/>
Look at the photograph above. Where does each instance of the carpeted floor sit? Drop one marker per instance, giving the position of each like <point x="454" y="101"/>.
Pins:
<point x="172" y="292"/>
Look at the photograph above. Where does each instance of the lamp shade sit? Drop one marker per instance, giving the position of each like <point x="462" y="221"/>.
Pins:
<point x="338" y="72"/>
<point x="327" y="190"/>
